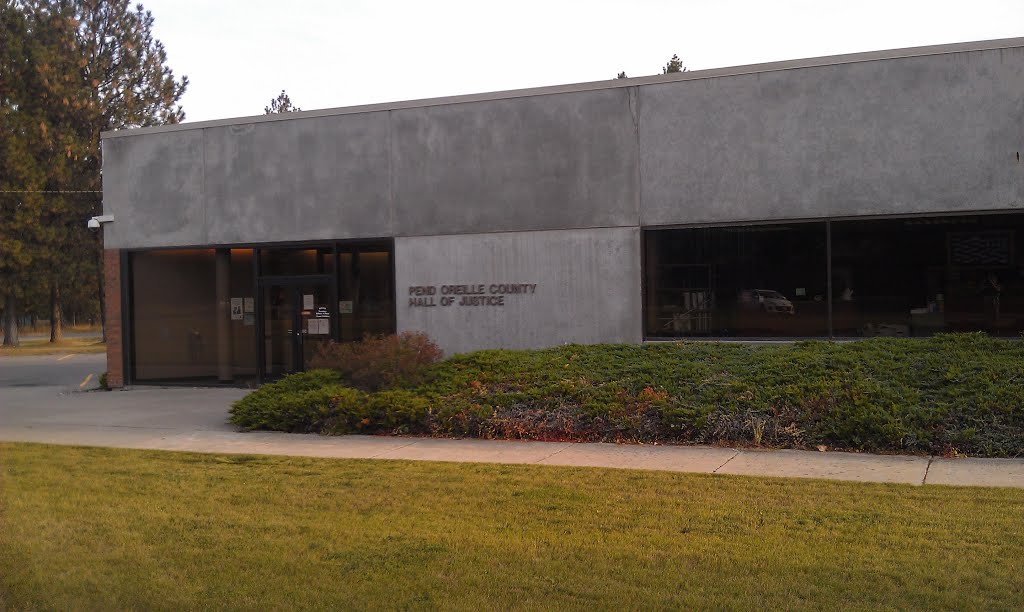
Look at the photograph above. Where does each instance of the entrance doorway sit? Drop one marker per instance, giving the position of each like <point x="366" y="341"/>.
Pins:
<point x="297" y="320"/>
<point x="245" y="313"/>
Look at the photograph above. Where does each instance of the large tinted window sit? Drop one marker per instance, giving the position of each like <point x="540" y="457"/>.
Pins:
<point x="365" y="290"/>
<point x="920" y="276"/>
<point x="296" y="261"/>
<point x="890" y="277"/>
<point x="175" y="315"/>
<point x="739" y="281"/>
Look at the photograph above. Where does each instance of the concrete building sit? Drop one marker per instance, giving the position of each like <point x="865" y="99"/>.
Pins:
<point x="877" y="193"/>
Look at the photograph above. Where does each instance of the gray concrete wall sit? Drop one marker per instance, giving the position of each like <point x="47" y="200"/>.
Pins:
<point x="545" y="162"/>
<point x="308" y="179"/>
<point x="154" y="188"/>
<point x="938" y="132"/>
<point x="911" y="135"/>
<point x="587" y="288"/>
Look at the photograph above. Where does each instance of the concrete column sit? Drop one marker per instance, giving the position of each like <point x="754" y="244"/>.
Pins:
<point x="224" y="357"/>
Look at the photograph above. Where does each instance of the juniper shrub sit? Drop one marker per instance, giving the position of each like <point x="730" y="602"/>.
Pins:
<point x="958" y="393"/>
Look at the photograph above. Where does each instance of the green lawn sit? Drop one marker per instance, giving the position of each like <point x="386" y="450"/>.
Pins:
<point x="117" y="529"/>
<point x="43" y="346"/>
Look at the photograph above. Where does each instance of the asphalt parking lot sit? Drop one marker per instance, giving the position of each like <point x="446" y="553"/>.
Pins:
<point x="55" y="398"/>
<point x="64" y="373"/>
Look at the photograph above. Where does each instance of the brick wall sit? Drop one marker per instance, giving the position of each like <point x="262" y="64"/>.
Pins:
<point x="112" y="301"/>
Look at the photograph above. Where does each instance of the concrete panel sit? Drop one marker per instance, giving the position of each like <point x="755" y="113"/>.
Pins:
<point x="307" y="179"/>
<point x="153" y="186"/>
<point x="700" y="459"/>
<point x="583" y="286"/>
<point x="974" y="472"/>
<point x="547" y="162"/>
<point x="918" y="134"/>
<point x="475" y="451"/>
<point x="833" y="466"/>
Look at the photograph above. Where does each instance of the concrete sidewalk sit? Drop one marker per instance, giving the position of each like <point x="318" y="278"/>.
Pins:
<point x="216" y="438"/>
<point x="190" y="419"/>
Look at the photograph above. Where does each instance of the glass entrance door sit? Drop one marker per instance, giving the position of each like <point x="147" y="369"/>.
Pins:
<point x="297" y="321"/>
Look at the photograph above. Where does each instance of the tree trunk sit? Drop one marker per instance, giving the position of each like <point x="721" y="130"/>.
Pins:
<point x="11" y="321"/>
<point x="56" y="316"/>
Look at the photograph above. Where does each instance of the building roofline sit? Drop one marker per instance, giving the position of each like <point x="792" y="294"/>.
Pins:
<point x="814" y="62"/>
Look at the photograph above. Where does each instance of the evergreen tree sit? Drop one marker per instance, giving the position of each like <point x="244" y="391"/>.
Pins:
<point x="22" y="138"/>
<point x="93" y="66"/>
<point x="674" y="65"/>
<point x="281" y="104"/>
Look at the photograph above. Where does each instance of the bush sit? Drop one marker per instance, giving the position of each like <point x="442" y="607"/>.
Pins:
<point x="380" y="362"/>
<point x="301" y="402"/>
<point x="316" y="402"/>
<point x="945" y="395"/>
<point x="399" y="411"/>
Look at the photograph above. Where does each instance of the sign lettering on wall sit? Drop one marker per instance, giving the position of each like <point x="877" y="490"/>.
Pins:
<point x="479" y="294"/>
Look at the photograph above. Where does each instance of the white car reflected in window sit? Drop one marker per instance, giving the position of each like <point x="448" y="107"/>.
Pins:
<point x="766" y="300"/>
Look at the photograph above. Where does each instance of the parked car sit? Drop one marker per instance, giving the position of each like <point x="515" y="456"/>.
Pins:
<point x="767" y="300"/>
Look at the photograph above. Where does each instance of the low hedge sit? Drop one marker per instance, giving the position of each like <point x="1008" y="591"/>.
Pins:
<point x="956" y="393"/>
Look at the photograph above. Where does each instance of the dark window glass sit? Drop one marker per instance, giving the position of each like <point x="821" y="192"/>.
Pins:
<point x="920" y="276"/>
<point x="296" y="261"/>
<point x="375" y="303"/>
<point x="297" y="321"/>
<point x="365" y="293"/>
<point x="739" y="281"/>
<point x="175" y="315"/>
<point x="243" y="330"/>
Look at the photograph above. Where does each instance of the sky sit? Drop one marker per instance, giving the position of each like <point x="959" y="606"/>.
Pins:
<point x="239" y="54"/>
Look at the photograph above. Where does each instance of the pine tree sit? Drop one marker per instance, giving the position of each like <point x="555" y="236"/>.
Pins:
<point x="23" y="137"/>
<point x="281" y="104"/>
<point x="674" y="65"/>
<point x="95" y="66"/>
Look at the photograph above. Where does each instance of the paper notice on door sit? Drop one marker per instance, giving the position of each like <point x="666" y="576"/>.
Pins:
<point x="318" y="327"/>
<point x="325" y="327"/>
<point x="345" y="306"/>
<point x="250" y="305"/>
<point x="236" y="309"/>
<point x="307" y="301"/>
<point x="313" y="327"/>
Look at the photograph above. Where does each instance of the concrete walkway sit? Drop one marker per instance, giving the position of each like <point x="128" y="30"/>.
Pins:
<point x="183" y="419"/>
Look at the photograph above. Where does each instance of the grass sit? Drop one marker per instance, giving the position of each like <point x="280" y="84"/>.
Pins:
<point x="92" y="528"/>
<point x="42" y="346"/>
<point x="43" y="328"/>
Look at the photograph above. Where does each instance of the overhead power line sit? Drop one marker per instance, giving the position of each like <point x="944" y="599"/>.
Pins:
<point x="49" y="191"/>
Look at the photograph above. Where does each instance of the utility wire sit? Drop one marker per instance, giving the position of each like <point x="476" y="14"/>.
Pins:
<point x="49" y="191"/>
